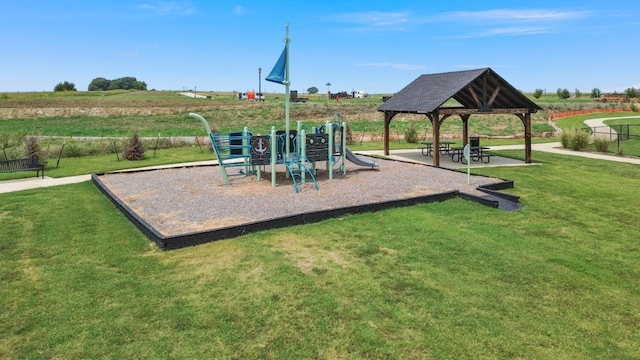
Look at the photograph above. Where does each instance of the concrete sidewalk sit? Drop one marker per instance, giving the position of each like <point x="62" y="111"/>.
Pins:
<point x="407" y="155"/>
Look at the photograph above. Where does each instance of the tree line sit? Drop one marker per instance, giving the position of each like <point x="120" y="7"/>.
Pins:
<point x="595" y="93"/>
<point x="102" y="84"/>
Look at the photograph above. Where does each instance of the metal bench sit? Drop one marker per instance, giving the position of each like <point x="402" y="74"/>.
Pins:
<point x="26" y="164"/>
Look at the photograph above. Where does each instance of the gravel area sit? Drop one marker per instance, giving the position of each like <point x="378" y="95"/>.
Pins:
<point x="194" y="199"/>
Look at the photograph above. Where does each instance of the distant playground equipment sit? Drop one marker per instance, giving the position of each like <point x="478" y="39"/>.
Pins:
<point x="250" y="152"/>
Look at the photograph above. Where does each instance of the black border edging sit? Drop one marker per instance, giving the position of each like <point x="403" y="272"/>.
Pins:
<point x="492" y="189"/>
<point x="197" y="238"/>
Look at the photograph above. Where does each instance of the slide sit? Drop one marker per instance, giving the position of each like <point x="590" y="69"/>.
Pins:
<point x="360" y="161"/>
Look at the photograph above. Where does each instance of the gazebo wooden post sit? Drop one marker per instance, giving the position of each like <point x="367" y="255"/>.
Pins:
<point x="465" y="128"/>
<point x="527" y="138"/>
<point x="435" y="122"/>
<point x="388" y="115"/>
<point x="526" y="120"/>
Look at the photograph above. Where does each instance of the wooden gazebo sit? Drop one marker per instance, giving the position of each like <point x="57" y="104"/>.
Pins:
<point x="480" y="91"/>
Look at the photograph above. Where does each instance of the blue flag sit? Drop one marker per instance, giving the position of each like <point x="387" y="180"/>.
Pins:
<point x="277" y="73"/>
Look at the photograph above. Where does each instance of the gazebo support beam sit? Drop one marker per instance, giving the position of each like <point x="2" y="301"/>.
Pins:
<point x="388" y="116"/>
<point x="465" y="128"/>
<point x="526" y="120"/>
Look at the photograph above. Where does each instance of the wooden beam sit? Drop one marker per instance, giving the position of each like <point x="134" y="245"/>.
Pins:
<point x="435" y="121"/>
<point x="493" y="96"/>
<point x="475" y="97"/>
<point x="462" y="111"/>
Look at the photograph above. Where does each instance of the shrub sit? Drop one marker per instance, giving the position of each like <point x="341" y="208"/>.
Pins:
<point x="134" y="149"/>
<point x="65" y="86"/>
<point x="575" y="140"/>
<point x="563" y="93"/>
<point x="411" y="134"/>
<point x="601" y="144"/>
<point x="564" y="139"/>
<point x="32" y="147"/>
<point x="631" y="92"/>
<point x="72" y="149"/>
<point x="537" y="93"/>
<point x="579" y="140"/>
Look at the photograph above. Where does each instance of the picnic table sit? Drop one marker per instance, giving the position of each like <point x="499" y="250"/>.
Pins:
<point x="477" y="154"/>
<point x="427" y="149"/>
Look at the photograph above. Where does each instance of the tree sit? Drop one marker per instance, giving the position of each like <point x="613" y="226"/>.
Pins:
<point x="134" y="148"/>
<point x="631" y="92"/>
<point x="312" y="90"/>
<point x="578" y="93"/>
<point x="537" y="93"/>
<point x="595" y="93"/>
<point x="65" y="86"/>
<point x="124" y="83"/>
<point x="99" y="84"/>
<point x="563" y="93"/>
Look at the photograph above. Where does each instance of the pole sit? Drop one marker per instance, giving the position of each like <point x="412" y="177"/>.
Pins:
<point x="260" y="83"/>
<point x="287" y="95"/>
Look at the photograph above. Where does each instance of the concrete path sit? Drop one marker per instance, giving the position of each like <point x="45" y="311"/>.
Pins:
<point x="409" y="154"/>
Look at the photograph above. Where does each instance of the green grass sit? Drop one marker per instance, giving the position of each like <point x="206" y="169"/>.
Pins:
<point x="627" y="147"/>
<point x="558" y="279"/>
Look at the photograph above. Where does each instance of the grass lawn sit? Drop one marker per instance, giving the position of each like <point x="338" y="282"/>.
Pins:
<point x="559" y="279"/>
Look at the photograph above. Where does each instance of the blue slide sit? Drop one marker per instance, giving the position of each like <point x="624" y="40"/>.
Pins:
<point x="360" y="161"/>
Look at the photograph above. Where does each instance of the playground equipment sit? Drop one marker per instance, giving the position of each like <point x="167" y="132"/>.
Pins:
<point x="298" y="150"/>
<point x="251" y="152"/>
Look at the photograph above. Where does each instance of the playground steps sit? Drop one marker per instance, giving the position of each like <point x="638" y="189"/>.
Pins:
<point x="297" y="168"/>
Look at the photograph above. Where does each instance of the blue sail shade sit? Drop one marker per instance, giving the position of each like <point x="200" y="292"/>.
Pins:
<point x="277" y="74"/>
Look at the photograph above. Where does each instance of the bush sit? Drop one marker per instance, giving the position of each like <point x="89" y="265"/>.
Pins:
<point x="32" y="147"/>
<point x="537" y="93"/>
<point x="601" y="144"/>
<point x="565" y="139"/>
<point x="134" y="149"/>
<point x="65" y="86"/>
<point x="579" y="140"/>
<point x="563" y="93"/>
<point x="576" y="140"/>
<point x="411" y="134"/>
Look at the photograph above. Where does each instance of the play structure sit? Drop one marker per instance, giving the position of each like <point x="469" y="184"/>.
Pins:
<point x="299" y="151"/>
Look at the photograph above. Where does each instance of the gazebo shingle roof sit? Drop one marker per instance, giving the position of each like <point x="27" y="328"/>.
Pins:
<point x="473" y="89"/>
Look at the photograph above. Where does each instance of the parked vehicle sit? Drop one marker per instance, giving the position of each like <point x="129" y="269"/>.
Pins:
<point x="359" y="94"/>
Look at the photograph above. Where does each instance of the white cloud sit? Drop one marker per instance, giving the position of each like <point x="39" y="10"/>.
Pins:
<point x="398" y="66"/>
<point x="508" y="15"/>
<point x="374" y="19"/>
<point x="168" y="8"/>
<point x="239" y="10"/>
<point x="131" y="54"/>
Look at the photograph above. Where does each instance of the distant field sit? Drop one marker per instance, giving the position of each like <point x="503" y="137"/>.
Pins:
<point x="223" y="110"/>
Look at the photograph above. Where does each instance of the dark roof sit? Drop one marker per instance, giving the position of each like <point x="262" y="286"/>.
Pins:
<point x="473" y="89"/>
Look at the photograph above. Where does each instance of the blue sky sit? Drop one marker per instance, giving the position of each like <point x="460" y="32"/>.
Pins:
<point x="377" y="46"/>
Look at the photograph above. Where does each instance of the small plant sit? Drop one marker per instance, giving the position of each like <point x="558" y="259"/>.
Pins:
<point x="538" y="93"/>
<point x="575" y="140"/>
<point x="620" y="151"/>
<point x="565" y="139"/>
<point x="32" y="147"/>
<point x="579" y="140"/>
<point x="411" y="134"/>
<point x="601" y="144"/>
<point x="134" y="148"/>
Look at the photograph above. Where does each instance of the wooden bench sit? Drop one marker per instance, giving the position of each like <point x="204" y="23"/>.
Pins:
<point x="26" y="164"/>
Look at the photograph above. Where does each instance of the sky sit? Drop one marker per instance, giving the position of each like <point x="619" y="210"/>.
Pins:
<point x="375" y="46"/>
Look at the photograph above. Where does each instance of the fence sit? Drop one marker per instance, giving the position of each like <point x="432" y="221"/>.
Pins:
<point x="617" y="133"/>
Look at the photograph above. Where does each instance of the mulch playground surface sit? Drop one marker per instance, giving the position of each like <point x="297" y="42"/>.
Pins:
<point x="185" y="206"/>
